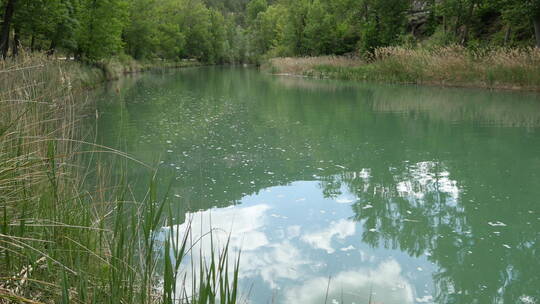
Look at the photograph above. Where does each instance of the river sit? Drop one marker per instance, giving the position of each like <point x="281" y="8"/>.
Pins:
<point x="343" y="192"/>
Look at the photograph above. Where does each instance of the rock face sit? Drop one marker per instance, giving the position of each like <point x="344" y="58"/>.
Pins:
<point x="420" y="5"/>
<point x="418" y="16"/>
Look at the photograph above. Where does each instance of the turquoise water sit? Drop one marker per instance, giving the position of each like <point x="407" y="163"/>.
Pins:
<point x="343" y="192"/>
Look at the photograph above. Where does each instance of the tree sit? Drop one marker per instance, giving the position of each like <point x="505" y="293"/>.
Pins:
<point x="295" y="25"/>
<point x="171" y="40"/>
<point x="318" y="31"/>
<point x="102" y="24"/>
<point x="6" y="27"/>
<point x="267" y="30"/>
<point x="217" y="36"/>
<point x="195" y="24"/>
<point x="254" y="7"/>
<point x="384" y="22"/>
<point x="531" y="8"/>
<point x="141" y="32"/>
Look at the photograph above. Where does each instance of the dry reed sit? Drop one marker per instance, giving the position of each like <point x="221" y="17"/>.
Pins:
<point x="504" y="68"/>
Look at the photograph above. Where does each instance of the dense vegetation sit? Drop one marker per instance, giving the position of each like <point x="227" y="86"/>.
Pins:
<point x="65" y="239"/>
<point x="241" y="30"/>
<point x="319" y="27"/>
<point x="96" y="29"/>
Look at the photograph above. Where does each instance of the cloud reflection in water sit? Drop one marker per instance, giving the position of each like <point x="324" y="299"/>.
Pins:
<point x="290" y="247"/>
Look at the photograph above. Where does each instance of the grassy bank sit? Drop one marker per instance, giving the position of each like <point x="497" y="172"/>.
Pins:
<point x="517" y="69"/>
<point x="78" y="75"/>
<point x="117" y="67"/>
<point x="59" y="242"/>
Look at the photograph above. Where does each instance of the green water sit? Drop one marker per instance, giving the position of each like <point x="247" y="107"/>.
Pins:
<point x="344" y="191"/>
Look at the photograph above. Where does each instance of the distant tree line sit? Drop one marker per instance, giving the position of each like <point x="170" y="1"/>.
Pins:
<point x="317" y="27"/>
<point x="96" y="29"/>
<point x="218" y="31"/>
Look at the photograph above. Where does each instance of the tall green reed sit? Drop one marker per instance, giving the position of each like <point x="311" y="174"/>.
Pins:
<point x="60" y="242"/>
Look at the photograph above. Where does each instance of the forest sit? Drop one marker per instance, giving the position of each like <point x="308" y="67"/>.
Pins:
<point x="234" y="31"/>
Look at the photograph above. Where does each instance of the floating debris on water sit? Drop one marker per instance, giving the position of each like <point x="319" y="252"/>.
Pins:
<point x="527" y="299"/>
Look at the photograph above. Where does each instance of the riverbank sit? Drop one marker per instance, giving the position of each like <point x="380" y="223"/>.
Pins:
<point x="86" y="75"/>
<point x="77" y="75"/>
<point x="62" y="241"/>
<point x="117" y="67"/>
<point x="513" y="69"/>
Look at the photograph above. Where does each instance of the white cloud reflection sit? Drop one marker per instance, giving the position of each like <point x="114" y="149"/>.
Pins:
<point x="282" y="256"/>
<point x="260" y="258"/>
<point x="385" y="284"/>
<point x="279" y="261"/>
<point x="425" y="177"/>
<point x="240" y="226"/>
<point x="323" y="239"/>
<point x="244" y="222"/>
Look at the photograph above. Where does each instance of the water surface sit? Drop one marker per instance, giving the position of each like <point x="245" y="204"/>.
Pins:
<point x="394" y="194"/>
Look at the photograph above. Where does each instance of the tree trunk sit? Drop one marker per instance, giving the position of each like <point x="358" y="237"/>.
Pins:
<point x="16" y="41"/>
<point x="6" y="24"/>
<point x="33" y="43"/>
<point x="444" y="24"/>
<point x="465" y="33"/>
<point x="52" y="47"/>
<point x="507" y="35"/>
<point x="536" y="22"/>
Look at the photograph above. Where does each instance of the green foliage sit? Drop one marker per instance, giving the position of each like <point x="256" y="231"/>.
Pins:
<point x="295" y="26"/>
<point x="318" y="27"/>
<point x="102" y="24"/>
<point x="267" y="30"/>
<point x="324" y="27"/>
<point x="384" y="23"/>
<point x="216" y="31"/>
<point x="318" y="31"/>
<point x="255" y="7"/>
<point x="94" y="30"/>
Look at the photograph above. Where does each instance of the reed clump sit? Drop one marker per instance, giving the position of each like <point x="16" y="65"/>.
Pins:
<point x="307" y="65"/>
<point x="59" y="242"/>
<point x="502" y="68"/>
